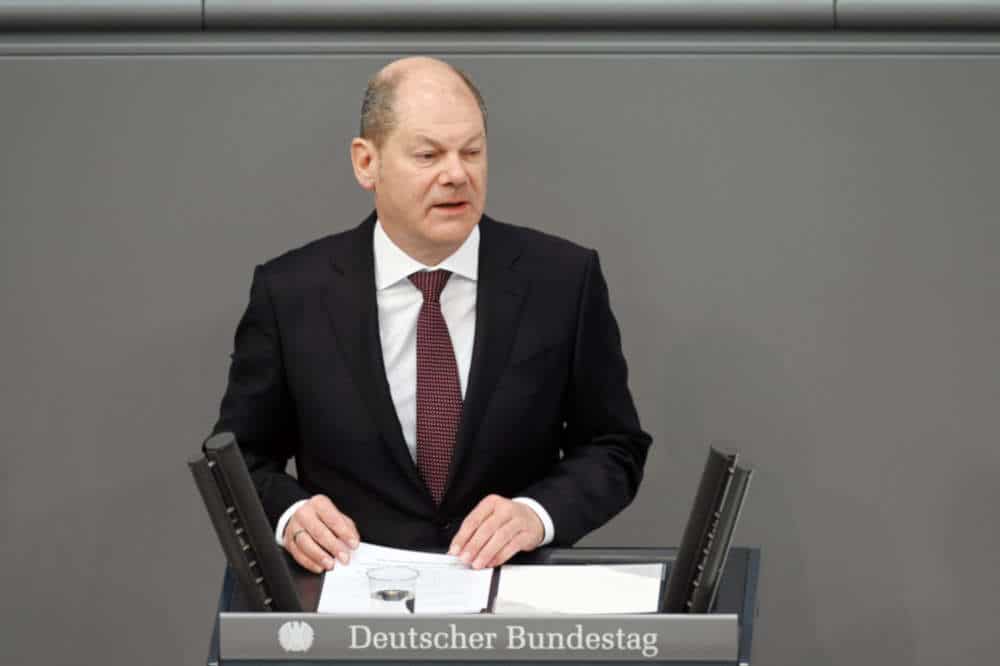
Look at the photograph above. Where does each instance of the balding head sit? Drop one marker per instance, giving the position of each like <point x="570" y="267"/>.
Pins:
<point x="422" y="153"/>
<point x="403" y="82"/>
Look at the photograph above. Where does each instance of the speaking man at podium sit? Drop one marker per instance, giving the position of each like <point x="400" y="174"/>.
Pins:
<point x="442" y="379"/>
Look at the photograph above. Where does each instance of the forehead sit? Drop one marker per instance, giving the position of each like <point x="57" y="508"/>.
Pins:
<point x="443" y="111"/>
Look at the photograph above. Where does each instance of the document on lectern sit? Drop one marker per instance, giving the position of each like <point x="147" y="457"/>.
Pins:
<point x="580" y="589"/>
<point x="444" y="583"/>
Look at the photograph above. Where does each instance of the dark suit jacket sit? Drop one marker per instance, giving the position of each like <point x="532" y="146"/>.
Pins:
<point x="547" y="412"/>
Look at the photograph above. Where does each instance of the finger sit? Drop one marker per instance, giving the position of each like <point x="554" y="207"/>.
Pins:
<point x="300" y="551"/>
<point x="296" y="525"/>
<point x="481" y="537"/>
<point x="521" y="541"/>
<point x="471" y="523"/>
<point x="298" y="521"/>
<point x="296" y="530"/>
<point x="292" y="529"/>
<point x="504" y="511"/>
<point x="314" y="551"/>
<point x="338" y="523"/>
<point x="498" y="541"/>
<point x="325" y="538"/>
<point x="329" y="527"/>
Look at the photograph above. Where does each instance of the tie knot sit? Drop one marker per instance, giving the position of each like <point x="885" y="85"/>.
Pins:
<point x="430" y="283"/>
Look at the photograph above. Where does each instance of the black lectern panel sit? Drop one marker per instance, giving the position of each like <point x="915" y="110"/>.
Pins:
<point x="241" y="526"/>
<point x="694" y="581"/>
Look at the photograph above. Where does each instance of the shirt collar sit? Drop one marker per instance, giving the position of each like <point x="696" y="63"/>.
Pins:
<point x="393" y="265"/>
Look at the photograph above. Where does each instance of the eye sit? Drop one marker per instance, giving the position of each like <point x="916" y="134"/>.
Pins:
<point x="472" y="152"/>
<point x="426" y="155"/>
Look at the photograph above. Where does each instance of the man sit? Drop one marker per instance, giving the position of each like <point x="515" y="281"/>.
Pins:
<point x="442" y="379"/>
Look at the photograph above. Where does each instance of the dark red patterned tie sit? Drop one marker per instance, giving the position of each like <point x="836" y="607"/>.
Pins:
<point x="439" y="395"/>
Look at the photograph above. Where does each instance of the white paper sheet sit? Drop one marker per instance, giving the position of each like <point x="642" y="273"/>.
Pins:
<point x="445" y="585"/>
<point x="581" y="589"/>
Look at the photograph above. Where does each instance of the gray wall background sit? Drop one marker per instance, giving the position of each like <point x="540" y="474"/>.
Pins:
<point x="799" y="236"/>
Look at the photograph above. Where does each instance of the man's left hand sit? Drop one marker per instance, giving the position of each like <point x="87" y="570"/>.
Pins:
<point x="495" y="530"/>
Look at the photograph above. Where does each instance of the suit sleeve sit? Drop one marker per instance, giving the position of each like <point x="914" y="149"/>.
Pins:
<point x="604" y="447"/>
<point x="257" y="406"/>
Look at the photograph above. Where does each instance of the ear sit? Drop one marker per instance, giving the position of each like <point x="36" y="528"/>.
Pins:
<point x="364" y="159"/>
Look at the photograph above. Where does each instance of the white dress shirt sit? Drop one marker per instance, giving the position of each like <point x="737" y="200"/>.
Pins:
<point x="399" y="303"/>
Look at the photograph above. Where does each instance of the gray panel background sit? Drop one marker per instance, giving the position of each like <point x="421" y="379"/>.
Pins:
<point x="800" y="249"/>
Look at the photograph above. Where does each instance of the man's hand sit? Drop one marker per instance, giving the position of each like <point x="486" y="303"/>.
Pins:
<point x="317" y="533"/>
<point x="495" y="530"/>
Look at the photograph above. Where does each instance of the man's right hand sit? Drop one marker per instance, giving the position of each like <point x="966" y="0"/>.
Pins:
<point x="318" y="532"/>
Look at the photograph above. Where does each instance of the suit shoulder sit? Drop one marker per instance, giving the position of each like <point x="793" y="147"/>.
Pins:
<point x="303" y="255"/>
<point x="302" y="265"/>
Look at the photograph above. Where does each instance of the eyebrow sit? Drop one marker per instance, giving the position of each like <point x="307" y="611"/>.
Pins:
<point x="437" y="144"/>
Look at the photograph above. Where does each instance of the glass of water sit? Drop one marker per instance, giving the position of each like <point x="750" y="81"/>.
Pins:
<point x="393" y="589"/>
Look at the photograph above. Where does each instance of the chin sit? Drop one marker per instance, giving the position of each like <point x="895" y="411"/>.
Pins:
<point x="453" y="229"/>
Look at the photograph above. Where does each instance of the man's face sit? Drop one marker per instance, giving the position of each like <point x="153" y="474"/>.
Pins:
<point x="430" y="186"/>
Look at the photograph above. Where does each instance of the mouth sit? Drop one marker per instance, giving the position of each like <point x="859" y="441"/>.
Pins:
<point x="452" y="206"/>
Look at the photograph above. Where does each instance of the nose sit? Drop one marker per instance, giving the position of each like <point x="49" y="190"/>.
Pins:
<point x="453" y="171"/>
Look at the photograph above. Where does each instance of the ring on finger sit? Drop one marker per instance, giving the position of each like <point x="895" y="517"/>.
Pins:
<point x="296" y="534"/>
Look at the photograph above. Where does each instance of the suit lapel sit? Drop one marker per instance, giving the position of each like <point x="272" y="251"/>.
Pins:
<point x="351" y="304"/>
<point x="500" y="293"/>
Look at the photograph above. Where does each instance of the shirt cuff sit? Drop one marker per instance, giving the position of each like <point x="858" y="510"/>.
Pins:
<point x="279" y="530"/>
<point x="543" y="515"/>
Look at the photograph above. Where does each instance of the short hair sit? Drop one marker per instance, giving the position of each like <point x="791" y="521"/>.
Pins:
<point x="378" y="115"/>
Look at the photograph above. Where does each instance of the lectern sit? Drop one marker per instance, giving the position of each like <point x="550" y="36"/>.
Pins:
<point x="270" y="616"/>
<point x="722" y="637"/>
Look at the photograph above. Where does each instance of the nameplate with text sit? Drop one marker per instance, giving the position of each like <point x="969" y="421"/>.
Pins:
<point x="631" y="638"/>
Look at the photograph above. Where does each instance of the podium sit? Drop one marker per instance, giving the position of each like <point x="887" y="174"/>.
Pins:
<point x="723" y="637"/>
